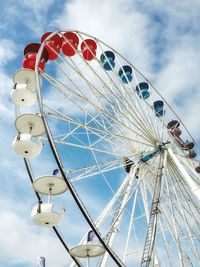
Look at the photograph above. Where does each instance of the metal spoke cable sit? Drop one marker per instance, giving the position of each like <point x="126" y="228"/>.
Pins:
<point x="61" y="116"/>
<point x="92" y="87"/>
<point x="118" y="216"/>
<point x="165" y="242"/>
<point x="195" y="189"/>
<point x="106" y="212"/>
<point x="194" y="249"/>
<point x="174" y="220"/>
<point x="101" y="172"/>
<point x="111" y="233"/>
<point x="54" y="81"/>
<point x="152" y="126"/>
<point x="68" y="183"/>
<point x="130" y="226"/>
<point x="122" y="124"/>
<point x="77" y="198"/>
<point x="108" y="87"/>
<point x="186" y="198"/>
<point x="135" y="101"/>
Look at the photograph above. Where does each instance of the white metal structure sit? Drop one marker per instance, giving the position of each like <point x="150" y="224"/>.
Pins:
<point x="132" y="179"/>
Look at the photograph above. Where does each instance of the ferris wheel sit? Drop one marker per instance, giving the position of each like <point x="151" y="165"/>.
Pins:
<point x="98" y="139"/>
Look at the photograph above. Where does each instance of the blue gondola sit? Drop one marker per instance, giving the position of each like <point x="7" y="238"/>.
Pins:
<point x="148" y="156"/>
<point x="108" y="60"/>
<point x="143" y="90"/>
<point x="125" y="74"/>
<point x="159" y="108"/>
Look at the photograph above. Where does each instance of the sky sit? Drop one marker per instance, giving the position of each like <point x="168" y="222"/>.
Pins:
<point x="161" y="38"/>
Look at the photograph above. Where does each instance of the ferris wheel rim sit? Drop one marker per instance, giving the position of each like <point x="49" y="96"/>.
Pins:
<point x="148" y="82"/>
<point x="43" y="113"/>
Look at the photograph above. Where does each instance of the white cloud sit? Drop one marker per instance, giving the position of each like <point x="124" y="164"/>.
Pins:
<point x="6" y="107"/>
<point x="37" y="16"/>
<point x="28" y="14"/>
<point x="7" y="51"/>
<point x="161" y="40"/>
<point x="42" y="5"/>
<point x="117" y="23"/>
<point x="21" y="242"/>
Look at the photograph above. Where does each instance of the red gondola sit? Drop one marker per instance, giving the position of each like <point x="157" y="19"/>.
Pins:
<point x="88" y="48"/>
<point x="53" y="45"/>
<point x="70" y="44"/>
<point x="30" y="54"/>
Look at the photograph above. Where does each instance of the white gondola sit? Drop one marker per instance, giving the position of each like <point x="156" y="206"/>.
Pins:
<point x="87" y="250"/>
<point x="30" y="123"/>
<point x="25" y="147"/>
<point x="46" y="184"/>
<point x="23" y="92"/>
<point x="44" y="214"/>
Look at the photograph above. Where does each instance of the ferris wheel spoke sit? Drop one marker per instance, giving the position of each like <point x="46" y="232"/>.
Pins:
<point x="149" y="115"/>
<point x="109" y="88"/>
<point x="113" y="119"/>
<point x="190" y="207"/>
<point x="107" y="210"/>
<point x="190" y="167"/>
<point x="58" y="85"/>
<point x="96" y="131"/>
<point x="118" y="215"/>
<point x="84" y="147"/>
<point x="92" y="167"/>
<point x="165" y="243"/>
<point x="172" y="226"/>
<point x="130" y="226"/>
<point x="177" y="223"/>
<point x="79" y="202"/>
<point x="78" y="127"/>
<point x="132" y="219"/>
<point x="98" y="169"/>
<point x="95" y="158"/>
<point x="122" y="210"/>
<point x="188" y="179"/>
<point x="136" y="103"/>
<point x="119" y="198"/>
<point x="173" y="230"/>
<point x="183" y="214"/>
<point x="168" y="215"/>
